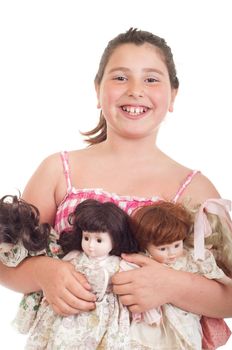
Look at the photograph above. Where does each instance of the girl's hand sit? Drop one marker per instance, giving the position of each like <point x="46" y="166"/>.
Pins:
<point x="65" y="289"/>
<point x="143" y="288"/>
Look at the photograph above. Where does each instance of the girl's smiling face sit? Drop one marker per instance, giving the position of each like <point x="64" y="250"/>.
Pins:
<point x="135" y="92"/>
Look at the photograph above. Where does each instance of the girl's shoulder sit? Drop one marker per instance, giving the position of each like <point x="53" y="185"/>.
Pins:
<point x="201" y="189"/>
<point x="197" y="187"/>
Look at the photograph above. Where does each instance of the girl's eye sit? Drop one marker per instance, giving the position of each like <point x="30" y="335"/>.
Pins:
<point x="120" y="78"/>
<point x="151" y="80"/>
<point x="177" y="245"/>
<point x="99" y="240"/>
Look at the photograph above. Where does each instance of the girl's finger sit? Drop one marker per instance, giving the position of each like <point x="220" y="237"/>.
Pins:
<point x="122" y="289"/>
<point x="138" y="259"/>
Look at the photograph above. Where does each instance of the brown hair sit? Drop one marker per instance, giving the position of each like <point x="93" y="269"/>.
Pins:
<point x="94" y="216"/>
<point x="19" y="221"/>
<point x="137" y="37"/>
<point x="161" y="223"/>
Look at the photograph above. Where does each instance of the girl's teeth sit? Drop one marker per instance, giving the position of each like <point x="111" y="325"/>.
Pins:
<point x="134" y="110"/>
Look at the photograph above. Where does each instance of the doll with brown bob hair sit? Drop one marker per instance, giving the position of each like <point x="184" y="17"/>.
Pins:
<point x="164" y="231"/>
<point x="98" y="234"/>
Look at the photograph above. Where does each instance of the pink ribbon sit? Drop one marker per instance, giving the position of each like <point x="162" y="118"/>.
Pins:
<point x="202" y="228"/>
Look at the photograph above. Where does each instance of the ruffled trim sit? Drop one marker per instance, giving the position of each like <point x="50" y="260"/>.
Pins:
<point x="110" y="195"/>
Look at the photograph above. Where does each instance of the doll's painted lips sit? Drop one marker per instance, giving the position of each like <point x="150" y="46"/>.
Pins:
<point x="135" y="111"/>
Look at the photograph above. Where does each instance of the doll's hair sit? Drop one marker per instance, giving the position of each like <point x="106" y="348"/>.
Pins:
<point x="161" y="223"/>
<point x="19" y="222"/>
<point x="219" y="242"/>
<point x="94" y="216"/>
<point x="136" y="37"/>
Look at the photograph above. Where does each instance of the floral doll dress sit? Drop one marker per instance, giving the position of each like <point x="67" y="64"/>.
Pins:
<point x="11" y="255"/>
<point x="176" y="329"/>
<point x="106" y="327"/>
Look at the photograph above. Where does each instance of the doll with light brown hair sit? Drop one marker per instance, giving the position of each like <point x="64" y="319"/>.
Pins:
<point x="164" y="231"/>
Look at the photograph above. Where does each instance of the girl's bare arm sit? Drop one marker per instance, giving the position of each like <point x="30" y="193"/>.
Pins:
<point x="154" y="284"/>
<point x="65" y="289"/>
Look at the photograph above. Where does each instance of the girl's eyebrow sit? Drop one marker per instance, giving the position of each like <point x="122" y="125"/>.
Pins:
<point x="116" y="69"/>
<point x="146" y="70"/>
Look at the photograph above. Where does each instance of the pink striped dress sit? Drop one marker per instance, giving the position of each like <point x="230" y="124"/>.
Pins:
<point x="215" y="331"/>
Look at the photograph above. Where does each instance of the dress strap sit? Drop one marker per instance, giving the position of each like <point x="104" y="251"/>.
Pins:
<point x="183" y="186"/>
<point x="65" y="162"/>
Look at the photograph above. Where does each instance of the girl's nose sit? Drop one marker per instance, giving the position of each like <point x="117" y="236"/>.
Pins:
<point x="135" y="89"/>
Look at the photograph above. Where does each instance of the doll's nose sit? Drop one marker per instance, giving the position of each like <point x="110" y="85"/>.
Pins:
<point x="171" y="252"/>
<point x="91" y="244"/>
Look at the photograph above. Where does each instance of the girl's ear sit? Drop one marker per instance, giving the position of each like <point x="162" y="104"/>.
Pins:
<point x="97" y="89"/>
<point x="173" y="97"/>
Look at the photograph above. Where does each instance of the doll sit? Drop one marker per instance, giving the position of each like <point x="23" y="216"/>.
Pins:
<point x="20" y="231"/>
<point x="164" y="231"/>
<point x="98" y="234"/>
<point x="22" y="236"/>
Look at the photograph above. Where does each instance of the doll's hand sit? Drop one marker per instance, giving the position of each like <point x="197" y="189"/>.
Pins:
<point x="65" y="289"/>
<point x="145" y="287"/>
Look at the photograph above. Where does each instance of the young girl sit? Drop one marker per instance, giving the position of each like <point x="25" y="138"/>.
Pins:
<point x="99" y="234"/>
<point x="162" y="230"/>
<point x="136" y="86"/>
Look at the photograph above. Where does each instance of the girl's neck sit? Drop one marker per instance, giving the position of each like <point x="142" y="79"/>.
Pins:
<point x="123" y="148"/>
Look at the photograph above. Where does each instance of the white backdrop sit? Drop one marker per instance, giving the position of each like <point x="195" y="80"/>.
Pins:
<point x="49" y="55"/>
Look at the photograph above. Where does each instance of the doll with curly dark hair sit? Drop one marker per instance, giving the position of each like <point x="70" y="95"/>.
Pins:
<point x="22" y="236"/>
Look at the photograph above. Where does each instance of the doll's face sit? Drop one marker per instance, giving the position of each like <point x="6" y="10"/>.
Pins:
<point x="166" y="253"/>
<point x="96" y="244"/>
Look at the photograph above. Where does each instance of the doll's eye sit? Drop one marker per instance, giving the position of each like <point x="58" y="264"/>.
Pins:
<point x="162" y="249"/>
<point x="86" y="238"/>
<point x="99" y="240"/>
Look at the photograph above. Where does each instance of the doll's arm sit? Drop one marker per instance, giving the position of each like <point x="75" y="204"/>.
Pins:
<point x="225" y="280"/>
<point x="13" y="255"/>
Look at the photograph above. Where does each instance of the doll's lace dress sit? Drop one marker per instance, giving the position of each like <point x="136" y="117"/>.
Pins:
<point x="106" y="327"/>
<point x="177" y="329"/>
